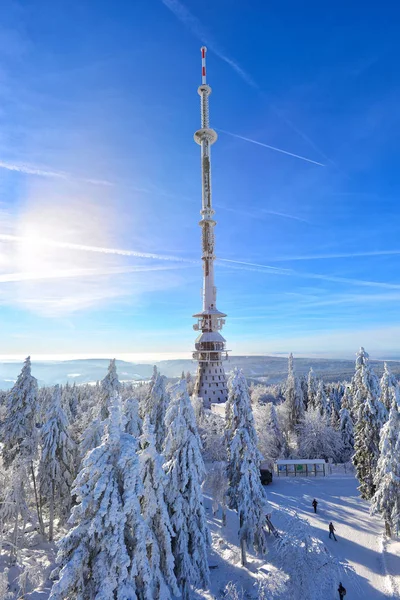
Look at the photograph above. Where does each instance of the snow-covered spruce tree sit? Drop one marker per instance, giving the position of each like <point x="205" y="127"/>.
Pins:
<point x="216" y="484"/>
<point x="132" y="419"/>
<point x="104" y="555"/>
<point x="271" y="441"/>
<point x="185" y="470"/>
<point x="388" y="387"/>
<point x="313" y="571"/>
<point x="366" y="444"/>
<point x="155" y="512"/>
<point x="312" y="385"/>
<point x="386" y="499"/>
<point x="109" y="386"/>
<point x="56" y="465"/>
<point x="365" y="383"/>
<point x="245" y="493"/>
<point x="92" y="434"/>
<point x="321" y="401"/>
<point x="19" y="433"/>
<point x="294" y="396"/>
<point x="13" y="507"/>
<point x="155" y="404"/>
<point x="316" y="439"/>
<point x="346" y="429"/>
<point x="370" y="416"/>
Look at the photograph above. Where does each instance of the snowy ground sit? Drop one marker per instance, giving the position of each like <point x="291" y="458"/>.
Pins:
<point x="376" y="562"/>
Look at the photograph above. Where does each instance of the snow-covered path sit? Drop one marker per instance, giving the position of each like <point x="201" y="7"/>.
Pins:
<point x="359" y="535"/>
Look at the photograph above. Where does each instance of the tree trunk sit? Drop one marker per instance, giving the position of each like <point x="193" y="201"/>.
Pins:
<point x="388" y="528"/>
<point x="185" y="590"/>
<point x="243" y="552"/>
<point x="38" y="507"/>
<point x="51" y="513"/>
<point x="223" y="509"/>
<point x="13" y="553"/>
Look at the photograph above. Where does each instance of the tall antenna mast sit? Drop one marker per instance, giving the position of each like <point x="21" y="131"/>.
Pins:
<point x="210" y="345"/>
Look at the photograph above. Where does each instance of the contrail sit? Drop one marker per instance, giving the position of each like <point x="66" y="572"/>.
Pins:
<point x="31" y="170"/>
<point x="234" y="264"/>
<point x="285" y="215"/>
<point x="268" y="269"/>
<point x="241" y="137"/>
<point x="74" y="273"/>
<point x="99" y="249"/>
<point x="194" y="25"/>
<point x="338" y="255"/>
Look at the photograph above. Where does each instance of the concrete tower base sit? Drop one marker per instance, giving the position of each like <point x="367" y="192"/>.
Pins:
<point x="211" y="383"/>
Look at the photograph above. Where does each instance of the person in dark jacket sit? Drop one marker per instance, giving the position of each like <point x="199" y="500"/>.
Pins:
<point x="341" y="590"/>
<point x="332" y="531"/>
<point x="315" y="504"/>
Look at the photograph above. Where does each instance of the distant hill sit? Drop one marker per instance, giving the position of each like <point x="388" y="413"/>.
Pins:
<point x="268" y="369"/>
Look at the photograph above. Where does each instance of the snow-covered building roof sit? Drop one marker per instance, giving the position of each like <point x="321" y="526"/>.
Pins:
<point x="301" y="461"/>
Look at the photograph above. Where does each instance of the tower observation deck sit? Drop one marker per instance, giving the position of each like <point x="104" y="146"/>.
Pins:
<point x="210" y="350"/>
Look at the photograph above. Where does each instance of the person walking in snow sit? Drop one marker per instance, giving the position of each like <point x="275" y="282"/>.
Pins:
<point x="315" y="504"/>
<point x="332" y="531"/>
<point x="341" y="590"/>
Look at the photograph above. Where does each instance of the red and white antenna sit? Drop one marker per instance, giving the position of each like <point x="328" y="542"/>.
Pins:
<point x="203" y="51"/>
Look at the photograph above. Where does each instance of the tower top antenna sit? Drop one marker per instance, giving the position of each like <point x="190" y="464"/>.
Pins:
<point x="210" y="349"/>
<point x="203" y="51"/>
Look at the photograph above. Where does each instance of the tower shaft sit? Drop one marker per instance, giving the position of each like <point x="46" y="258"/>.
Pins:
<point x="210" y="345"/>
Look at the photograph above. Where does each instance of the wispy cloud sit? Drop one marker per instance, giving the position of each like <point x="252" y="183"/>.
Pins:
<point x="76" y="273"/>
<point x="257" y="214"/>
<point x="246" y="139"/>
<point x="32" y="170"/>
<point x="337" y="255"/>
<point x="195" y="26"/>
<point x="97" y="249"/>
<point x="268" y="269"/>
<point x="230" y="263"/>
<point x="284" y="215"/>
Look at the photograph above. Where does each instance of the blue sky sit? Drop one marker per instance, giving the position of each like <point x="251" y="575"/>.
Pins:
<point x="100" y="177"/>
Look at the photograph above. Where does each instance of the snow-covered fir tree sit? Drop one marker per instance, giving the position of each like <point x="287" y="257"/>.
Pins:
<point x="14" y="509"/>
<point x="104" y="555"/>
<point x="334" y="419"/>
<point x="155" y="404"/>
<point x="185" y="470"/>
<point x="371" y="415"/>
<point x="132" y="419"/>
<point x="155" y="512"/>
<point x="366" y="444"/>
<point x="313" y="572"/>
<point x="19" y="432"/>
<point x="245" y="492"/>
<point x="321" y="401"/>
<point x="216" y="484"/>
<point x="388" y="385"/>
<point x="316" y="439"/>
<point x="92" y="434"/>
<point x="346" y="429"/>
<point x="109" y="386"/>
<point x="293" y="396"/>
<point x="56" y="466"/>
<point x="312" y="385"/>
<point x="364" y="383"/>
<point x="386" y="500"/>
<point x="271" y="441"/>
